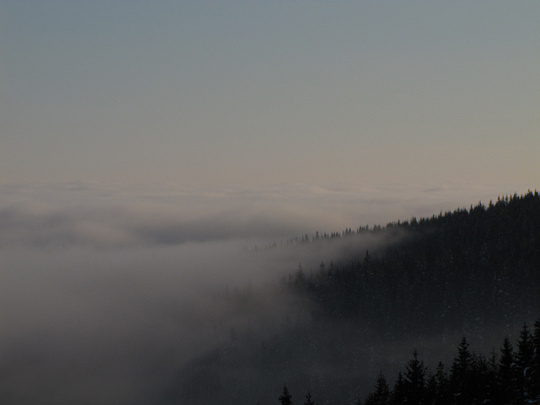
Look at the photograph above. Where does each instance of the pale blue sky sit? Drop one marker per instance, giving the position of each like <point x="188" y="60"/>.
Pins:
<point x="255" y="93"/>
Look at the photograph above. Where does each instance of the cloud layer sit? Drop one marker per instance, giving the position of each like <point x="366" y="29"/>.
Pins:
<point x="106" y="292"/>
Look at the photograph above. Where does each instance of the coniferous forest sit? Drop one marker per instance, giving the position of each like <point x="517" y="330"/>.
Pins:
<point x="456" y="269"/>
<point x="471" y="274"/>
<point x="509" y="376"/>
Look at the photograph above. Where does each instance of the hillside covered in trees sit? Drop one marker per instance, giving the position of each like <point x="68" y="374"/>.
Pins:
<point x="460" y="269"/>
<point x="422" y="283"/>
<point x="510" y="376"/>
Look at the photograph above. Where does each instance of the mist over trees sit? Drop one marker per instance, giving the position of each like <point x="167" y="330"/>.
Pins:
<point x="454" y="271"/>
<point x="332" y="316"/>
<point x="470" y="272"/>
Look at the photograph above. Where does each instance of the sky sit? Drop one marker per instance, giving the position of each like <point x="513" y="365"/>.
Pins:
<point x="255" y="94"/>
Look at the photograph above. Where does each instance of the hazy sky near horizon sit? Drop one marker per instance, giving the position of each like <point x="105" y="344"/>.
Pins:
<point x="261" y="93"/>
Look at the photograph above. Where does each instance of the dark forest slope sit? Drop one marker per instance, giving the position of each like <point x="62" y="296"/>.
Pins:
<point x="462" y="268"/>
<point x="473" y="273"/>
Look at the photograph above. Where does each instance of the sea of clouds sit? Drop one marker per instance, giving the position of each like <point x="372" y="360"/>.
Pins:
<point x="106" y="291"/>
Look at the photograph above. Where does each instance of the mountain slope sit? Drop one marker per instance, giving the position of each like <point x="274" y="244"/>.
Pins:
<point x="461" y="269"/>
<point x="473" y="273"/>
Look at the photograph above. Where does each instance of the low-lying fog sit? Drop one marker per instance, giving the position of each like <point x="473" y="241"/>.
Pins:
<point x="108" y="293"/>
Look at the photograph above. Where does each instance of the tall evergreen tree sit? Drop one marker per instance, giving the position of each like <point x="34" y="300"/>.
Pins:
<point x="481" y="374"/>
<point x="309" y="401"/>
<point x="285" y="397"/>
<point x="506" y="373"/>
<point x="491" y="383"/>
<point x="431" y="389"/>
<point x="398" y="392"/>
<point x="535" y="373"/>
<point x="442" y="386"/>
<point x="415" y="379"/>
<point x="524" y="365"/>
<point x="460" y="373"/>
<point x="381" y="396"/>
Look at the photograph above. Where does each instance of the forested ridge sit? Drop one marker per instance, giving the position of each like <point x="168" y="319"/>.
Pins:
<point x="509" y="376"/>
<point x="459" y="269"/>
<point x="422" y="283"/>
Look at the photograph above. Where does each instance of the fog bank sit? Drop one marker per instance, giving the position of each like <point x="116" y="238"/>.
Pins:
<point x="107" y="293"/>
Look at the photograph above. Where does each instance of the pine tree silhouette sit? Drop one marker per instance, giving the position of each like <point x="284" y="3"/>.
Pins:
<point x="309" y="401"/>
<point x="285" y="397"/>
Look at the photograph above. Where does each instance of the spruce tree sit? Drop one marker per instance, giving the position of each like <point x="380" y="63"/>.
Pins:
<point x="491" y="384"/>
<point x="415" y="376"/>
<point x="381" y="396"/>
<point x="460" y="373"/>
<point x="506" y="373"/>
<point x="479" y="381"/>
<point x="309" y="401"/>
<point x="431" y="389"/>
<point x="285" y="397"/>
<point x="398" y="393"/>
<point x="524" y="365"/>
<point x="442" y="385"/>
<point x="535" y="372"/>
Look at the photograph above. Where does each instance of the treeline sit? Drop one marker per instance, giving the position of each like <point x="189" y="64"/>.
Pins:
<point x="511" y="377"/>
<point x="479" y="266"/>
<point x="470" y="272"/>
